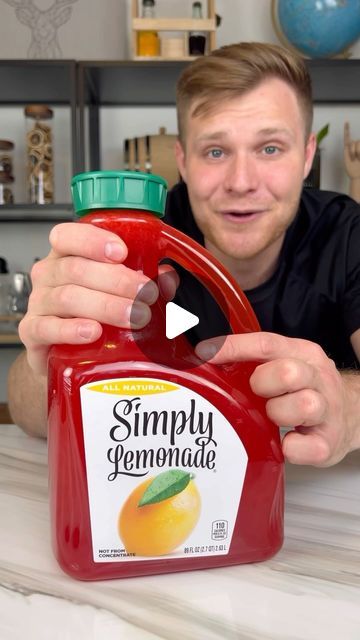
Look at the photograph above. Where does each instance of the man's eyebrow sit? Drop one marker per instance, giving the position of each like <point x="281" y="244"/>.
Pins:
<point x="215" y="135"/>
<point x="271" y="131"/>
<point x="266" y="131"/>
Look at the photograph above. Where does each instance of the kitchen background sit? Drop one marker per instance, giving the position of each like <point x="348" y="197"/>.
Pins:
<point x="90" y="30"/>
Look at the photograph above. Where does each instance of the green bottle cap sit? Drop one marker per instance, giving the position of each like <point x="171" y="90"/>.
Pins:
<point x="118" y="190"/>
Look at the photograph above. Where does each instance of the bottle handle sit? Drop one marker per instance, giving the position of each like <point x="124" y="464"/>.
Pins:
<point x="190" y="255"/>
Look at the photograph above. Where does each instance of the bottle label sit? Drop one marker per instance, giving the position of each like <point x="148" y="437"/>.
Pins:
<point x="165" y="471"/>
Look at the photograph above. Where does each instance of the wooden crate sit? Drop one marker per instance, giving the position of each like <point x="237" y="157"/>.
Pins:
<point x="185" y="25"/>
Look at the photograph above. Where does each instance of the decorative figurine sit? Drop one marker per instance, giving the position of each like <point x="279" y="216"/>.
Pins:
<point x="44" y="24"/>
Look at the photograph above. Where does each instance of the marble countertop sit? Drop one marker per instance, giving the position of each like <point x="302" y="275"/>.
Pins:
<point x="309" y="591"/>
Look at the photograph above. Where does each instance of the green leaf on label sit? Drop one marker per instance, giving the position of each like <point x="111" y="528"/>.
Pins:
<point x="165" y="485"/>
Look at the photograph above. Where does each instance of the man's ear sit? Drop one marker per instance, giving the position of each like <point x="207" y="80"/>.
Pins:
<point x="180" y="159"/>
<point x="309" y="154"/>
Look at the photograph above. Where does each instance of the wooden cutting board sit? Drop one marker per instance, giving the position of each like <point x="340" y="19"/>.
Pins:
<point x="153" y="154"/>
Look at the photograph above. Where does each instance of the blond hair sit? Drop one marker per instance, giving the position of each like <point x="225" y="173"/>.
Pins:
<point x="233" y="70"/>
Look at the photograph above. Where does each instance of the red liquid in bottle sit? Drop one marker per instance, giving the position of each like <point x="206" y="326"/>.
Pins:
<point x="136" y="409"/>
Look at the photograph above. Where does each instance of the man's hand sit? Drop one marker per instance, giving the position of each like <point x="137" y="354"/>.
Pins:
<point x="351" y="153"/>
<point x="304" y="391"/>
<point x="81" y="284"/>
<point x="352" y="162"/>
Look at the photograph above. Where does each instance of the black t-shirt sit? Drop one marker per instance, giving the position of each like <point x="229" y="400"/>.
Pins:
<point x="315" y="290"/>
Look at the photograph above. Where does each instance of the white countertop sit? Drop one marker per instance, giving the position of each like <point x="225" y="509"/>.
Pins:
<point x="309" y="591"/>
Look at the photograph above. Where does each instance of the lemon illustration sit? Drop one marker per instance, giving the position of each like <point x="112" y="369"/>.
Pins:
<point x="159" y="514"/>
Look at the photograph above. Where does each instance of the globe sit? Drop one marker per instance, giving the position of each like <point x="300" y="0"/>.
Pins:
<point x="317" y="28"/>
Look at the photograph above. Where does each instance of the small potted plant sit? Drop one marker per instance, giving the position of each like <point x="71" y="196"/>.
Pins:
<point x="313" y="179"/>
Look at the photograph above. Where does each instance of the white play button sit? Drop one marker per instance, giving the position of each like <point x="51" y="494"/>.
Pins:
<point x="178" y="320"/>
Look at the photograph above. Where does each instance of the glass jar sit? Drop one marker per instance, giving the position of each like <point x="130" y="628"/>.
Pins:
<point x="6" y="192"/>
<point x="197" y="39"/>
<point x="4" y="299"/>
<point x="148" y="42"/>
<point x="20" y="289"/>
<point x="6" y="156"/>
<point x="39" y="147"/>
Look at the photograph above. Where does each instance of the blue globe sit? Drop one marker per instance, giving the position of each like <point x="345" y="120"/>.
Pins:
<point x="317" y="28"/>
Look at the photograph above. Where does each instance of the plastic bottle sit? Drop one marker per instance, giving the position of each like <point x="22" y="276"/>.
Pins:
<point x="137" y="417"/>
<point x="148" y="42"/>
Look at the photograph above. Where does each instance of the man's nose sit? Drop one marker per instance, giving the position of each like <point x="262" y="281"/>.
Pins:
<point x="242" y="174"/>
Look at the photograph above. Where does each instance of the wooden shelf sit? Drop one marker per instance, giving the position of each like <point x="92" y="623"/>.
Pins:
<point x="5" y="417"/>
<point x="36" y="213"/>
<point x="164" y="58"/>
<point x="15" y="317"/>
<point x="173" y="24"/>
<point x="10" y="340"/>
<point x="185" y="25"/>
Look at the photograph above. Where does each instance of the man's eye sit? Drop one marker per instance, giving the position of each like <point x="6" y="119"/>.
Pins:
<point x="215" y="153"/>
<point x="270" y="149"/>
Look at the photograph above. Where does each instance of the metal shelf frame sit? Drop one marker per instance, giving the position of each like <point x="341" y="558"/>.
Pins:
<point x="52" y="82"/>
<point x="36" y="213"/>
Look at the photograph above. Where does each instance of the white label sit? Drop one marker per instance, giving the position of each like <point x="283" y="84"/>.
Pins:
<point x="149" y="435"/>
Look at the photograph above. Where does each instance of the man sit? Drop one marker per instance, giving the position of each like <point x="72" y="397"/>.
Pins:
<point x="245" y="146"/>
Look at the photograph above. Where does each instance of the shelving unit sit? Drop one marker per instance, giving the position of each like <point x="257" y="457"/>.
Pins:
<point x="126" y="83"/>
<point x="119" y="83"/>
<point x="51" y="82"/>
<point x="335" y="81"/>
<point x="9" y="340"/>
<point x="185" y="25"/>
<point x="93" y="84"/>
<point x="36" y="213"/>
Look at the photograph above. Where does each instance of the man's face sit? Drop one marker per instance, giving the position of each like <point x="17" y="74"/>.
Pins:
<point x="244" y="164"/>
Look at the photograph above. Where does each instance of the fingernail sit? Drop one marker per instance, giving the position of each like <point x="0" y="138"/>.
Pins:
<point x="147" y="292"/>
<point x="139" y="314"/>
<point x="206" y="351"/>
<point x="86" y="331"/>
<point x="114" y="251"/>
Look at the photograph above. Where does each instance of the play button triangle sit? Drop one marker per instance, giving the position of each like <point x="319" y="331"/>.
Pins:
<point x="178" y="320"/>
